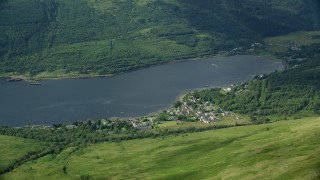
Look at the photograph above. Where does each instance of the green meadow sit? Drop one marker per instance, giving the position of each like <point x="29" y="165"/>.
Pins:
<point x="13" y="148"/>
<point x="225" y="121"/>
<point x="301" y="38"/>
<point x="280" y="150"/>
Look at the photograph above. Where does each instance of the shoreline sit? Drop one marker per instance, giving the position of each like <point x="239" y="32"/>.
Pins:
<point x="75" y="75"/>
<point x="59" y="77"/>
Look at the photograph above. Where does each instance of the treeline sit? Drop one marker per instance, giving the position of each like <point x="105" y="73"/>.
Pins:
<point x="283" y="94"/>
<point x="79" y="133"/>
<point x="88" y="134"/>
<point x="32" y="155"/>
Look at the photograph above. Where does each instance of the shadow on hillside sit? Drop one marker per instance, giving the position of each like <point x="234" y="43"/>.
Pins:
<point x="239" y="19"/>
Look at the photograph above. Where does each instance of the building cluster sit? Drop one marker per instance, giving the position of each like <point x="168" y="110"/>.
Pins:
<point x="140" y="124"/>
<point x="194" y="109"/>
<point x="293" y="46"/>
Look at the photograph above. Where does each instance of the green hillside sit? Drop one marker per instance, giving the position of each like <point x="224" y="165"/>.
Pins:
<point x="13" y="148"/>
<point x="61" y="37"/>
<point x="282" y="150"/>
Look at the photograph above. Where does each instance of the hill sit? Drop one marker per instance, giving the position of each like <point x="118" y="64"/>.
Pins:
<point x="13" y="148"/>
<point x="282" y="150"/>
<point x="88" y="37"/>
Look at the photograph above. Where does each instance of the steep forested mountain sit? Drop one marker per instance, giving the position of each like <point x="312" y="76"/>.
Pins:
<point x="110" y="36"/>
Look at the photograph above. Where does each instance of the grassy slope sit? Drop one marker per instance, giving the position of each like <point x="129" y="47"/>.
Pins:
<point x="230" y="120"/>
<point x="13" y="148"/>
<point x="282" y="150"/>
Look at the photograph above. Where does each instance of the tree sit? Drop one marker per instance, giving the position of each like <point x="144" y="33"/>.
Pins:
<point x="163" y="116"/>
<point x="64" y="169"/>
<point x="177" y="104"/>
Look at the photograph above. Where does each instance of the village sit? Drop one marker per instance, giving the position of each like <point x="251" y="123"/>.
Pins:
<point x="186" y="109"/>
<point x="196" y="110"/>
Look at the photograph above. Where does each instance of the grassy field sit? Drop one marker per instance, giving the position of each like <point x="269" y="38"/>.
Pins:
<point x="282" y="150"/>
<point x="280" y="43"/>
<point x="230" y="120"/>
<point x="13" y="148"/>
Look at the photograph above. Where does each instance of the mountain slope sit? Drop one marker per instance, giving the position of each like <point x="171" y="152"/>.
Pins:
<point x="282" y="150"/>
<point x="113" y="36"/>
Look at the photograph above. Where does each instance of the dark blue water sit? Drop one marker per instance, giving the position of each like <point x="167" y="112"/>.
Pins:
<point x="131" y="94"/>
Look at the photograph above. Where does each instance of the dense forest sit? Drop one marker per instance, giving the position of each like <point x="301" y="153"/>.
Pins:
<point x="105" y="37"/>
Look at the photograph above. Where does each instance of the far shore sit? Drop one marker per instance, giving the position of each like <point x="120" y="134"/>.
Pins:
<point x="26" y="77"/>
<point x="60" y="74"/>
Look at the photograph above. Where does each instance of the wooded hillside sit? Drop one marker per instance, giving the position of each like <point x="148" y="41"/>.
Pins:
<point x="103" y="37"/>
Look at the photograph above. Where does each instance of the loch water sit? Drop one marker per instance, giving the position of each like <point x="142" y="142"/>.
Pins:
<point x="135" y="93"/>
